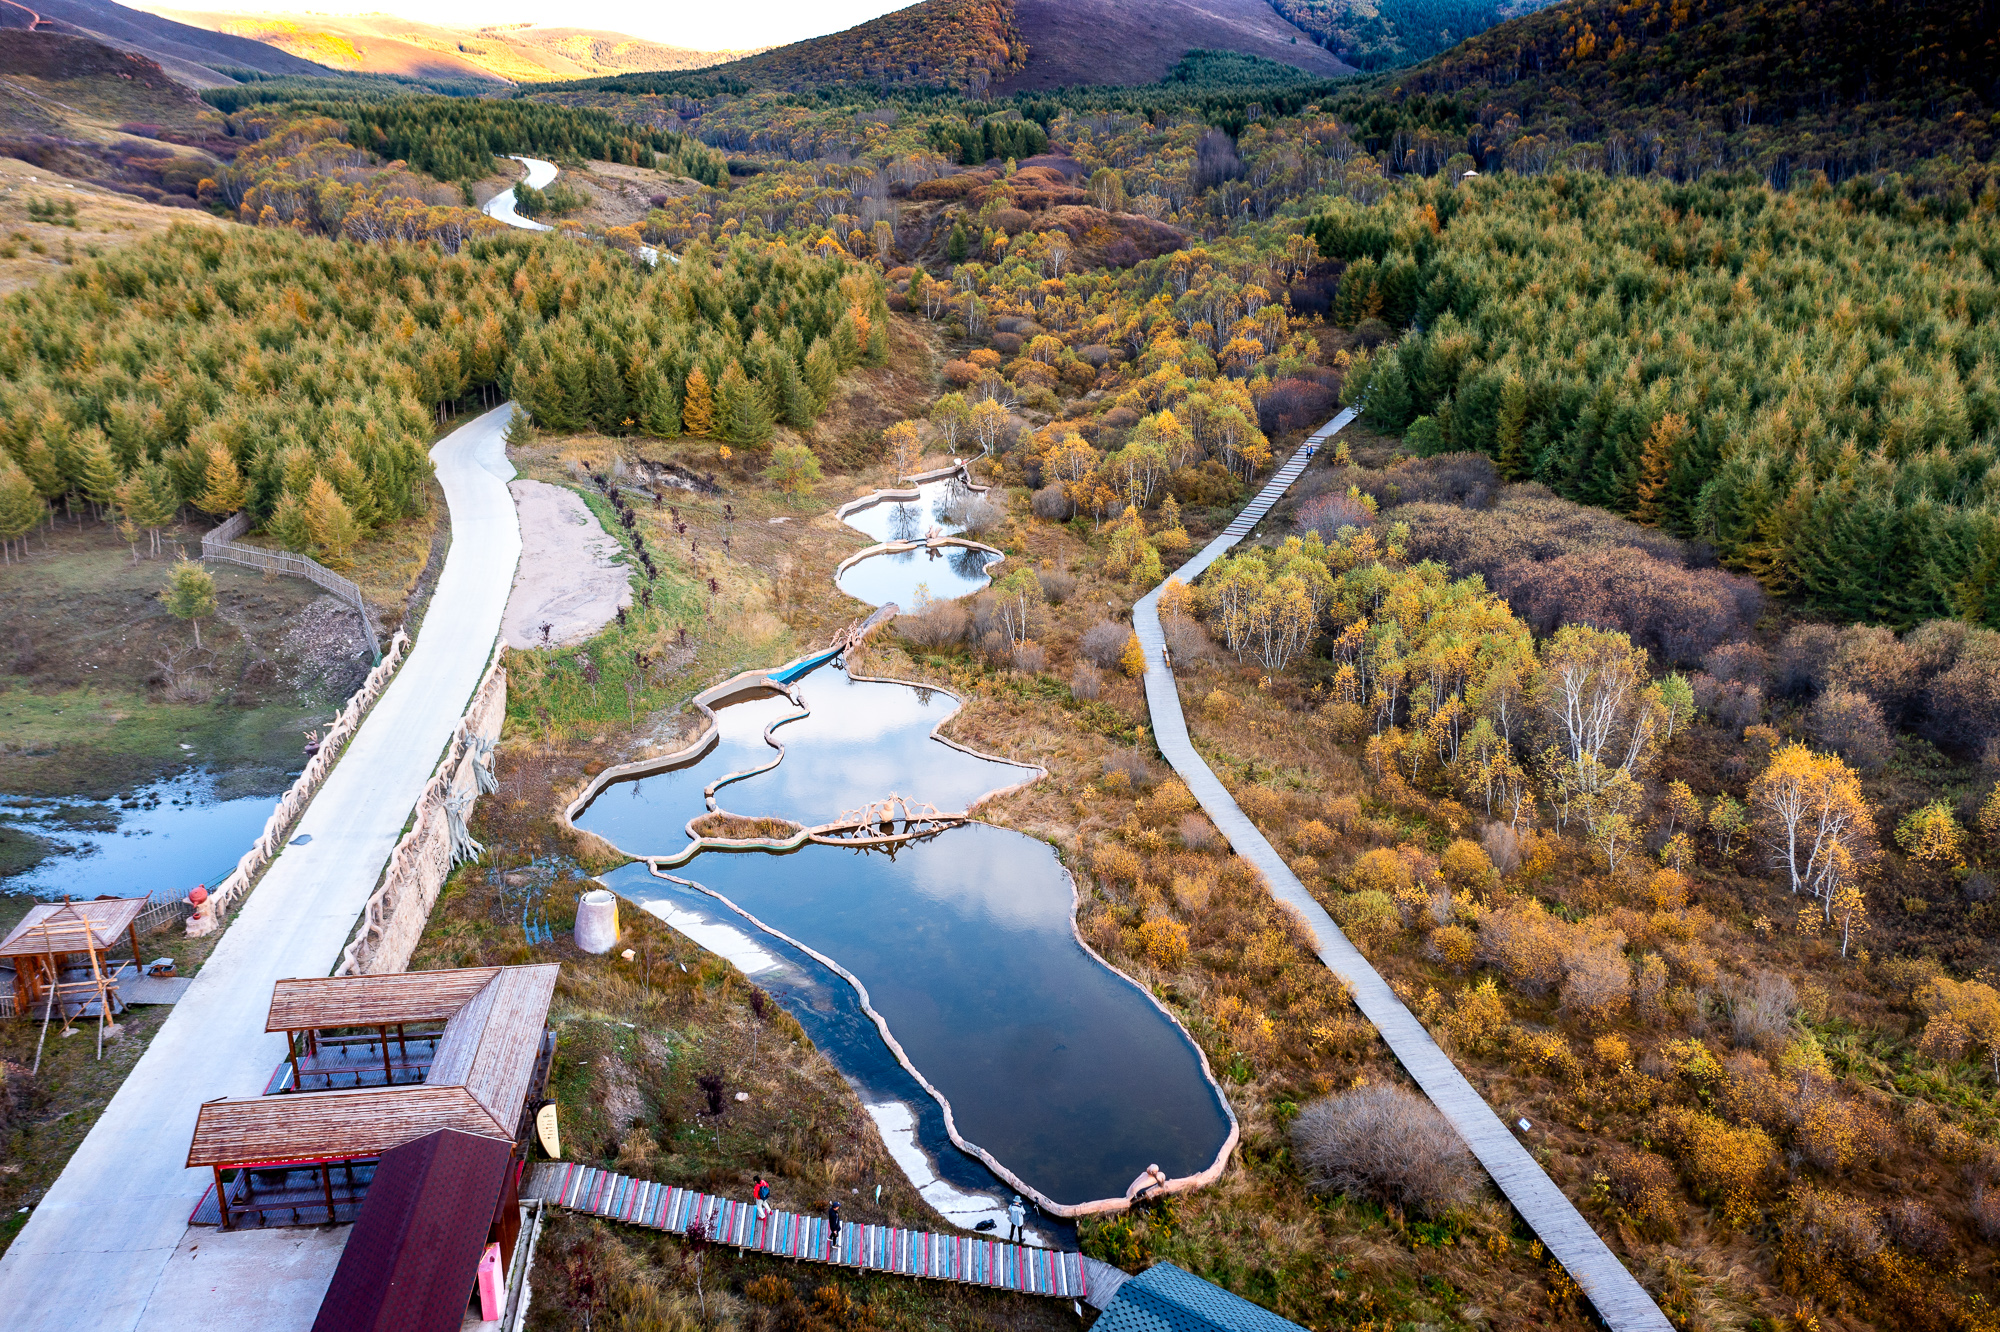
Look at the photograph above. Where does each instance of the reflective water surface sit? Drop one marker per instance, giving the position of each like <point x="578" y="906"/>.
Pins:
<point x="893" y="520"/>
<point x="1061" y="1068"/>
<point x="911" y="577"/>
<point x="158" y="841"/>
<point x="861" y="741"/>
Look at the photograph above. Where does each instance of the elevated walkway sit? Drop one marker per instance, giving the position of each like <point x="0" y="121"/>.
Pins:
<point x="1619" y="1299"/>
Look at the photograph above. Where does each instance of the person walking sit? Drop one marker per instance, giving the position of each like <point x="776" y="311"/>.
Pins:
<point x="760" y="1193"/>
<point x="1017" y="1218"/>
<point x="833" y="1228"/>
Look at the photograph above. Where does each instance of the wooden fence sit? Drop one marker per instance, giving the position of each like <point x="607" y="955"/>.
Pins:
<point x="398" y="909"/>
<point x="221" y="544"/>
<point x="293" y="803"/>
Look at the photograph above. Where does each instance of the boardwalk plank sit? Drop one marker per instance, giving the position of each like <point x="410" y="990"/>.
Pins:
<point x="1619" y="1299"/>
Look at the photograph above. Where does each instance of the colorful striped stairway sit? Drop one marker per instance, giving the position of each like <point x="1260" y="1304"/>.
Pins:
<point x="967" y="1258"/>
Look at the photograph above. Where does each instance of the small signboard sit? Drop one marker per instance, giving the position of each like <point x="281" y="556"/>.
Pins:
<point x="545" y="1129"/>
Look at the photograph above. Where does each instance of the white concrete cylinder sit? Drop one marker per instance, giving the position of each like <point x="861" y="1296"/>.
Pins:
<point x="597" y="921"/>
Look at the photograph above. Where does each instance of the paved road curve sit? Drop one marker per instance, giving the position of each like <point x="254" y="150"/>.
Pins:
<point x="501" y="205"/>
<point x="1620" y="1301"/>
<point x="94" y="1250"/>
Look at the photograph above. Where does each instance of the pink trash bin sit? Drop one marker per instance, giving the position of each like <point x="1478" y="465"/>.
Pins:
<point x="492" y="1284"/>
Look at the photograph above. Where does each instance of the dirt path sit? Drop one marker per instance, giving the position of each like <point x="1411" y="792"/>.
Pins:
<point x="569" y="578"/>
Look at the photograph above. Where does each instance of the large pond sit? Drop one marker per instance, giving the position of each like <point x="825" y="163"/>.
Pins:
<point x="158" y="840"/>
<point x="853" y="742"/>
<point x="1065" y="1071"/>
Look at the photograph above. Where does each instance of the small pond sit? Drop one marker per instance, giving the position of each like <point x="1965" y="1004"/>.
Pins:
<point x="859" y="741"/>
<point x="1064" y="1070"/>
<point x="158" y="841"/>
<point x="912" y="577"/>
<point x="909" y="520"/>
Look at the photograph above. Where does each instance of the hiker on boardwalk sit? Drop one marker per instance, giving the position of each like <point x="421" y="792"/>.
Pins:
<point x="833" y="1227"/>
<point x="1017" y="1217"/>
<point x="760" y="1193"/>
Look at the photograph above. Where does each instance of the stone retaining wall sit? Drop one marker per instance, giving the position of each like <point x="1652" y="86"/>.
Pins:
<point x="293" y="803"/>
<point x="398" y="909"/>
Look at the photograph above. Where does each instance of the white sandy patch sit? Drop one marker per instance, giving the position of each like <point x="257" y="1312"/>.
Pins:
<point x="567" y="578"/>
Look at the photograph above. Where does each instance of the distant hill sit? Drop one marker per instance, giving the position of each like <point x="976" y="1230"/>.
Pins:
<point x="192" y="55"/>
<point x="1844" y="86"/>
<point x="53" y="81"/>
<point x="515" y="53"/>
<point x="996" y="47"/>
<point x="1078" y="42"/>
<point x="1385" y="34"/>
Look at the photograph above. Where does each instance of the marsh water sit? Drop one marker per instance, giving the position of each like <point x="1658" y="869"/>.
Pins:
<point x="1064" y="1070"/>
<point x="909" y="520"/>
<point x="156" y="841"/>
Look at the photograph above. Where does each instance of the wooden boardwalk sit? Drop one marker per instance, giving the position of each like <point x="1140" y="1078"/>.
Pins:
<point x="919" y="1253"/>
<point x="1620" y="1301"/>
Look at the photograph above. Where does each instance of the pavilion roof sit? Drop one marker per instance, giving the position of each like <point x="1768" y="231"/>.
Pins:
<point x="58" y="927"/>
<point x="324" y="1002"/>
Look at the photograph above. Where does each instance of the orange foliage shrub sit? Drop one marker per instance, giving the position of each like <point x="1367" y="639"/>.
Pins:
<point x="1115" y="863"/>
<point x="1454" y="945"/>
<point x="1165" y="941"/>
<point x="1728" y="1165"/>
<point x="1645" y="1194"/>
<point x="1477" y="1019"/>
<point x="1466" y="866"/>
<point x="1314" y="838"/>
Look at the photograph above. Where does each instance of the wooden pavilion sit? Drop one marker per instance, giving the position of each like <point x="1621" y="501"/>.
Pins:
<point x="45" y="947"/>
<point x="493" y="1051"/>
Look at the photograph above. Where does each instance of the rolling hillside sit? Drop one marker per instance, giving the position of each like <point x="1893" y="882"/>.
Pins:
<point x="1844" y="86"/>
<point x="192" y="55"/>
<point x="1383" y="34"/>
<point x="517" y="53"/>
<point x="996" y="47"/>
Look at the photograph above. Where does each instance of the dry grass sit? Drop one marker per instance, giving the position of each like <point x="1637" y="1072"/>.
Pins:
<point x="31" y="250"/>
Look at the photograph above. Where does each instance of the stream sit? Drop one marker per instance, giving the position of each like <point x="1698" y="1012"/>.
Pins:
<point x="958" y="946"/>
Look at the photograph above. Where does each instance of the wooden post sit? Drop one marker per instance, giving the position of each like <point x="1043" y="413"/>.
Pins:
<point x="402" y="1043"/>
<point x="326" y="1184"/>
<point x="292" y="1050"/>
<point x="132" y="933"/>
<point x="222" y="1197"/>
<point x="388" y="1069"/>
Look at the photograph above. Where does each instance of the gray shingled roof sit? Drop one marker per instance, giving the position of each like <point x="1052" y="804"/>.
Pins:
<point x="1163" y="1298"/>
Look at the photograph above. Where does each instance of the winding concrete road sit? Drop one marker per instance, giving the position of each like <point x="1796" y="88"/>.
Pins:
<point x="501" y="205"/>
<point x="1620" y="1300"/>
<point x="104" y="1250"/>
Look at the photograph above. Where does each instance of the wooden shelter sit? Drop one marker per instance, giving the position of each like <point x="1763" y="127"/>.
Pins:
<point x="45" y="946"/>
<point x="434" y="1206"/>
<point x="493" y="1051"/>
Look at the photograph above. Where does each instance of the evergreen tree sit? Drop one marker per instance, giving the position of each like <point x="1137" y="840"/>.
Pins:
<point x="223" y="488"/>
<point x="189" y="594"/>
<point x="1656" y="467"/>
<point x="741" y="413"/>
<point x="101" y="473"/>
<point x="1511" y="431"/>
<point x="698" y="405"/>
<point x="822" y="372"/>
<point x="958" y="244"/>
<point x="21" y="508"/>
<point x="1389" y="403"/>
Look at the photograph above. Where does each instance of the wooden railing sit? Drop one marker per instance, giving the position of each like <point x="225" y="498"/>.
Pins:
<point x="221" y="544"/>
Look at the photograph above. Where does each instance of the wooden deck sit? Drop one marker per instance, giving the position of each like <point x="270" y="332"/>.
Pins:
<point x="963" y="1258"/>
<point x="1620" y="1300"/>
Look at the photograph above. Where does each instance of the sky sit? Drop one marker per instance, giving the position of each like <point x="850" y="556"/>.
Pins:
<point x="730" y="25"/>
